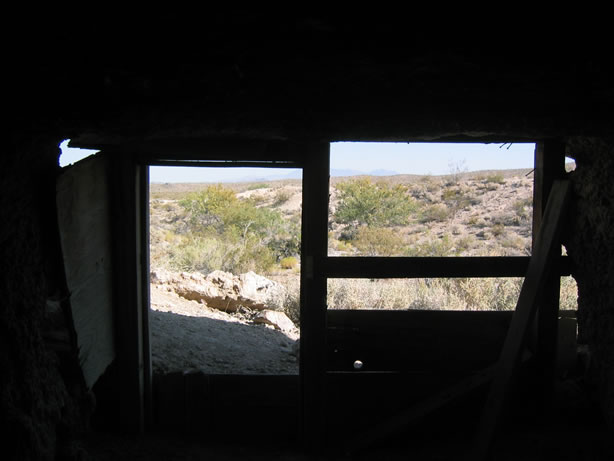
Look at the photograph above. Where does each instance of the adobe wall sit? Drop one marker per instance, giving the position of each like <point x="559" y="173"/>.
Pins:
<point x="38" y="410"/>
<point x="590" y="244"/>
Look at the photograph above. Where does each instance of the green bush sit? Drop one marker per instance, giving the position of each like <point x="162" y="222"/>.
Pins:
<point x="378" y="241"/>
<point x="289" y="262"/>
<point x="248" y="237"/>
<point x="363" y="202"/>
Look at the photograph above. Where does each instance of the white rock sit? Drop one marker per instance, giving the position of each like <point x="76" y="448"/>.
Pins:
<point x="277" y="319"/>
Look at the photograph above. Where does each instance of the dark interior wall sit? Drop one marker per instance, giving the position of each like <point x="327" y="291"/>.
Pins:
<point x="304" y="78"/>
<point x="590" y="243"/>
<point x="36" y="406"/>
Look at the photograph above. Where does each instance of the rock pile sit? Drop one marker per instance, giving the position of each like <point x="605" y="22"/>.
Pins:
<point x="229" y="293"/>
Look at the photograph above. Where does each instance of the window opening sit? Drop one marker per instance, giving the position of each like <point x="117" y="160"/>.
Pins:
<point x="430" y="199"/>
<point x="224" y="269"/>
<point x="72" y="155"/>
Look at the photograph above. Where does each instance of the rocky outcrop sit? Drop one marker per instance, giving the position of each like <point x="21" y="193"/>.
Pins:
<point x="223" y="290"/>
<point x="276" y="319"/>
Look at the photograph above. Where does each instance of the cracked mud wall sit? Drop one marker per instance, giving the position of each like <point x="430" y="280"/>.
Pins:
<point x="590" y="244"/>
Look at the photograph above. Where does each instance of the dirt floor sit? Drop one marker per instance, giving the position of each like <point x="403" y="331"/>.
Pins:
<point x="187" y="335"/>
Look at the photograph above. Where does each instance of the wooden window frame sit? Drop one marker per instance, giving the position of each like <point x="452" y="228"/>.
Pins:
<point x="131" y="182"/>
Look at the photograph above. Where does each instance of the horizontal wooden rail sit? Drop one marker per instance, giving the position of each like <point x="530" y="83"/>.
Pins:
<point x="402" y="267"/>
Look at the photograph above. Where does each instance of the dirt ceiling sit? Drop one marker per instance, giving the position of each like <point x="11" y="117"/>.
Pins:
<point x="333" y="77"/>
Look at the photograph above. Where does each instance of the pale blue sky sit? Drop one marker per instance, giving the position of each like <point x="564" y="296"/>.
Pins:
<point x="403" y="158"/>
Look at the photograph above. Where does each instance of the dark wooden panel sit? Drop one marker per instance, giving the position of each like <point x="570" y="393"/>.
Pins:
<point x="196" y="150"/>
<point x="415" y="340"/>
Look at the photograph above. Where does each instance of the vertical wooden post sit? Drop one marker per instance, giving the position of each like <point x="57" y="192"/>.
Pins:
<point x="145" y="301"/>
<point x="549" y="166"/>
<point x="128" y="291"/>
<point x="314" y="251"/>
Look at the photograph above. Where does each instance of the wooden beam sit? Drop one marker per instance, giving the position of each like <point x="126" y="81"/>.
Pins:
<point x="144" y="287"/>
<point x="267" y="152"/>
<point x="128" y="294"/>
<point x="544" y="259"/>
<point x="401" y="267"/>
<point x="314" y="247"/>
<point x="549" y="167"/>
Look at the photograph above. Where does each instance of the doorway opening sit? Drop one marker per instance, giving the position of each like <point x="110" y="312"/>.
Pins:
<point x="224" y="270"/>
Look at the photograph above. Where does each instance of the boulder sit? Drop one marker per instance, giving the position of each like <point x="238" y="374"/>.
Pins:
<point x="276" y="319"/>
<point x="223" y="290"/>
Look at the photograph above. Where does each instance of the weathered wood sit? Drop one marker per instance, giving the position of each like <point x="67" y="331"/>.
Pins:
<point x="268" y="153"/>
<point x="129" y="294"/>
<point x="544" y="259"/>
<point x="402" y="267"/>
<point x="314" y="247"/>
<point x="549" y="166"/>
<point x="395" y="424"/>
<point x="84" y="220"/>
<point x="144" y="302"/>
<point x="426" y="341"/>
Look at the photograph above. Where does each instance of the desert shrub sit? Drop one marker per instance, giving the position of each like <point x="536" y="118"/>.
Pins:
<point x="497" y="229"/>
<point x="258" y="186"/>
<point x="343" y="245"/>
<point x="457" y="169"/>
<point x="487" y="293"/>
<point x="437" y="213"/>
<point x="523" y="209"/>
<point x="227" y="253"/>
<point x="516" y="243"/>
<point x="472" y="221"/>
<point x="378" y="241"/>
<point x="436" y="247"/>
<point x="464" y="243"/>
<point x="368" y="294"/>
<point x="456" y="199"/>
<point x="289" y="262"/>
<point x="248" y="237"/>
<point x="257" y="199"/>
<point x="425" y="293"/>
<point x="495" y="178"/>
<point x="363" y="202"/>
<point x="281" y="197"/>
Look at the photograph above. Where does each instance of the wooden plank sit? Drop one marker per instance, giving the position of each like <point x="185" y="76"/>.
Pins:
<point x="84" y="221"/>
<point x="402" y="267"/>
<point x="143" y="246"/>
<point x="266" y="152"/>
<point x="433" y="341"/>
<point x="545" y="257"/>
<point x="127" y="280"/>
<point x="395" y="424"/>
<point x="549" y="166"/>
<point x="314" y="247"/>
